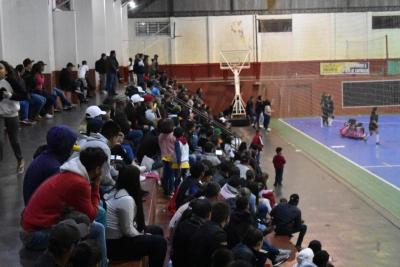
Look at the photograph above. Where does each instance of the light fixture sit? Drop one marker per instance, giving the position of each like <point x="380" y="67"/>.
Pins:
<point x="131" y="4"/>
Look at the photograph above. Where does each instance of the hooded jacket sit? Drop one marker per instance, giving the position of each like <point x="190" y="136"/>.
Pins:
<point x="239" y="223"/>
<point x="60" y="140"/>
<point x="9" y="107"/>
<point x="68" y="189"/>
<point x="98" y="140"/>
<point x="305" y="258"/>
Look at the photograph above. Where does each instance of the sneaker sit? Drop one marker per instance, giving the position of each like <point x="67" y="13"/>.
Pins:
<point x="26" y="123"/>
<point x="21" y="166"/>
<point x="279" y="259"/>
<point x="49" y="116"/>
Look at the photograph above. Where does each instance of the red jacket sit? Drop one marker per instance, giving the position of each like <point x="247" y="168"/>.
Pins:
<point x="278" y="161"/>
<point x="66" y="189"/>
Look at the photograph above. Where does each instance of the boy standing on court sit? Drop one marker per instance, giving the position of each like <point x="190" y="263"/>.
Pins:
<point x="279" y="162"/>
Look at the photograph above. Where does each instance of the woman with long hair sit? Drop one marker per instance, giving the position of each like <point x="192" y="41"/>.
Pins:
<point x="11" y="92"/>
<point x="128" y="237"/>
<point x="37" y="72"/>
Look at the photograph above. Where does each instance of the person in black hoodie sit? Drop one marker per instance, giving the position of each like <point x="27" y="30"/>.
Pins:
<point x="240" y="222"/>
<point x="101" y="68"/>
<point x="250" y="249"/>
<point x="200" y="210"/>
<point x="210" y="236"/>
<point x="112" y="73"/>
<point x="11" y="92"/>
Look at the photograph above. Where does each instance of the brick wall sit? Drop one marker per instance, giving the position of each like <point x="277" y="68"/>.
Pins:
<point x="295" y="88"/>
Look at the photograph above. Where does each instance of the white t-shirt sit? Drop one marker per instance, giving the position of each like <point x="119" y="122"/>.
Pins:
<point x="82" y="71"/>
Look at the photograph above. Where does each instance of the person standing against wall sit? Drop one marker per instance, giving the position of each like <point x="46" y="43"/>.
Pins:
<point x="130" y="70"/>
<point x="11" y="92"/>
<point x="267" y="115"/>
<point x="112" y="73"/>
<point x="250" y="110"/>
<point x="101" y="68"/>
<point x="259" y="110"/>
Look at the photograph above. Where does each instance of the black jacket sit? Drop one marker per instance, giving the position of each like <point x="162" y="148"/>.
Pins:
<point x="66" y="81"/>
<point x="207" y="239"/>
<point x="286" y="217"/>
<point x="255" y="258"/>
<point x="29" y="81"/>
<point x="112" y="65"/>
<point x="239" y="223"/>
<point x="101" y="66"/>
<point x="182" y="255"/>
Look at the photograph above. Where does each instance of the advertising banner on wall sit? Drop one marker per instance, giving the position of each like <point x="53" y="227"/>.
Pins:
<point x="344" y="68"/>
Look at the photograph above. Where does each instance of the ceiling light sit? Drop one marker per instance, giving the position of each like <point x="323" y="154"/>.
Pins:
<point x="131" y="4"/>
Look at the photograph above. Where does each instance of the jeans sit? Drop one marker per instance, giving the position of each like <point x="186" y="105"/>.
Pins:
<point x="111" y="82"/>
<point x="140" y="79"/>
<point x="257" y="122"/>
<point x="12" y="126"/>
<point x="267" y="119"/>
<point x="272" y="251"/>
<point x="103" y="81"/>
<point x="97" y="231"/>
<point x="134" y="248"/>
<point x="278" y="177"/>
<point x="36" y="103"/>
<point x="167" y="181"/>
<point x="24" y="109"/>
<point x="61" y="95"/>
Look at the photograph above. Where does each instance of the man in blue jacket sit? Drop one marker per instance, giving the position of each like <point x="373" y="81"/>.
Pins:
<point x="60" y="140"/>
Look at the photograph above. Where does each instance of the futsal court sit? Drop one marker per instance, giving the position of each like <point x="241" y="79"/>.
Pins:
<point x="382" y="160"/>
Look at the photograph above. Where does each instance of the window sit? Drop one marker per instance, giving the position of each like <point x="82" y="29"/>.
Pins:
<point x="385" y="22"/>
<point x="275" y="25"/>
<point x="146" y="28"/>
<point x="63" y="5"/>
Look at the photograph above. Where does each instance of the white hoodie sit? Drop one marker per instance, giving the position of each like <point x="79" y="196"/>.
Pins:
<point x="75" y="165"/>
<point x="8" y="108"/>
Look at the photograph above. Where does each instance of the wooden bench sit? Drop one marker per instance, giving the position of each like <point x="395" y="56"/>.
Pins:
<point x="149" y="209"/>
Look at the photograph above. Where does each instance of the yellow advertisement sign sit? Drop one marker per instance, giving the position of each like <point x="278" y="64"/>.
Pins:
<point x="340" y="68"/>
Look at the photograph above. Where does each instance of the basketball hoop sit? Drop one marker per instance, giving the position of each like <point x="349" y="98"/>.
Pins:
<point x="236" y="61"/>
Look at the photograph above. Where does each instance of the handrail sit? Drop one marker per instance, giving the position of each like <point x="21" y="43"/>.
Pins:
<point x="211" y="121"/>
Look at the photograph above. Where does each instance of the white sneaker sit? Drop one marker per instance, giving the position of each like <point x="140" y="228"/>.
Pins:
<point x="49" y="116"/>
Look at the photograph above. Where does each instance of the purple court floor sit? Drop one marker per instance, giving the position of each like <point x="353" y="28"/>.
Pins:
<point x="382" y="160"/>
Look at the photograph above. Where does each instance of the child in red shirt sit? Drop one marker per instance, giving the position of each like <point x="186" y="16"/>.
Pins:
<point x="279" y="162"/>
<point x="257" y="144"/>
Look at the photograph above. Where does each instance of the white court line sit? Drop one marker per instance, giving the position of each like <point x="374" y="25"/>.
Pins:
<point x="343" y="157"/>
<point x="382" y="166"/>
<point x="341" y="146"/>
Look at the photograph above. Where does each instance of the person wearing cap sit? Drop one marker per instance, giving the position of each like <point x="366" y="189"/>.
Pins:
<point x="286" y="217"/>
<point x="36" y="101"/>
<point x="63" y="238"/>
<point x="106" y="138"/>
<point x="135" y="112"/>
<point x="60" y="140"/>
<point x="112" y="73"/>
<point x="101" y="68"/>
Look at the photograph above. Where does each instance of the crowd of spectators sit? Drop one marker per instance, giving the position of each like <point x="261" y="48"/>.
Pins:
<point x="83" y="191"/>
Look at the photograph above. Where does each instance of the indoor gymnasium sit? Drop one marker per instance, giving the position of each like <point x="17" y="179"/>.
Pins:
<point x="188" y="133"/>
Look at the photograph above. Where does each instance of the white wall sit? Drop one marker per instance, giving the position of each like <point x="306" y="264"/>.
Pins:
<point x="320" y="36"/>
<point x="30" y="28"/>
<point x="65" y="38"/>
<point x="28" y="31"/>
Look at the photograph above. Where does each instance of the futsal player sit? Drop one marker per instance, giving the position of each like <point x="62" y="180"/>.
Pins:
<point x="373" y="124"/>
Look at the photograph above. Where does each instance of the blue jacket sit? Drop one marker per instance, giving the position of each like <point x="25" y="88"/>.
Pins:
<point x="60" y="140"/>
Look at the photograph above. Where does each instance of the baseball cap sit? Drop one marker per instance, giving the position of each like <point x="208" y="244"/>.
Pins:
<point x="140" y="89"/>
<point x="148" y="98"/>
<point x="27" y="61"/>
<point x="68" y="232"/>
<point x="137" y="98"/>
<point x="41" y="63"/>
<point x="93" y="112"/>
